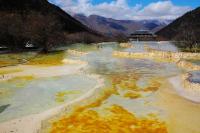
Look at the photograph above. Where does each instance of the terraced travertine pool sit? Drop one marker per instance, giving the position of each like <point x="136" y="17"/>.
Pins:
<point x="136" y="97"/>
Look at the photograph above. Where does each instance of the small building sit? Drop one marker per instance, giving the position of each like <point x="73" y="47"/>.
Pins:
<point x="142" y="35"/>
<point x="2" y="48"/>
<point x="30" y="46"/>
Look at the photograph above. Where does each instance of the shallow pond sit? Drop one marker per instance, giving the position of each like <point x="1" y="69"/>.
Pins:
<point x="28" y="97"/>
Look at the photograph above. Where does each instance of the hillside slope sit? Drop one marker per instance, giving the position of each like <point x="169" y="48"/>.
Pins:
<point x="185" y="28"/>
<point x="38" y="21"/>
<point x="44" y="7"/>
<point x="112" y="27"/>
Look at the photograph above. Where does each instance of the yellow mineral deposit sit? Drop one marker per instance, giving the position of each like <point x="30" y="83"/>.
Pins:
<point x="103" y="95"/>
<point x="118" y="121"/>
<point x="126" y="45"/>
<point x="76" y="53"/>
<point x="128" y="82"/>
<point x="132" y="95"/>
<point x="154" y="85"/>
<point x="161" y="56"/>
<point x="50" y="59"/>
<point x="4" y="63"/>
<point x="176" y="55"/>
<point x="69" y="61"/>
<point x="22" y="78"/>
<point x="60" y="96"/>
<point x="125" y="82"/>
<point x="114" y="119"/>
<point x="9" y="71"/>
<point x="4" y="92"/>
<point x="21" y="81"/>
<point x="128" y="85"/>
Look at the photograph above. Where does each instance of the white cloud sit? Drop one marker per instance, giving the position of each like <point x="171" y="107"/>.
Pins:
<point x="119" y="9"/>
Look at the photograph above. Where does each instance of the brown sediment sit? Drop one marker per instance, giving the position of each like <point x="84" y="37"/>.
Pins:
<point x="132" y="95"/>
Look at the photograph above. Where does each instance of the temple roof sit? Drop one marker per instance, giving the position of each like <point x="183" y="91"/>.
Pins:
<point x="142" y="32"/>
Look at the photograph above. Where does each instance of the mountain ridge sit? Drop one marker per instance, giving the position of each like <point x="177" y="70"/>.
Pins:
<point x="44" y="17"/>
<point x="184" y="28"/>
<point x="42" y="6"/>
<point x="110" y="26"/>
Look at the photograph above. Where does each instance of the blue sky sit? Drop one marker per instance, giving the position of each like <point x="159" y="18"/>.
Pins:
<point x="129" y="9"/>
<point x="192" y="3"/>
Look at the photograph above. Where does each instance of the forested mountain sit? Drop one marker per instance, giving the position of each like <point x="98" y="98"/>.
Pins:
<point x="38" y="21"/>
<point x="185" y="28"/>
<point x="112" y="27"/>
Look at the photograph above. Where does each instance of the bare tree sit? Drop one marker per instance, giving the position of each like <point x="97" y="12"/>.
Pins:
<point x="16" y="29"/>
<point x="44" y="30"/>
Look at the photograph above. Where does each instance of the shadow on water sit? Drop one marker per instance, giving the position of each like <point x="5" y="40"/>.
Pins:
<point x="3" y="107"/>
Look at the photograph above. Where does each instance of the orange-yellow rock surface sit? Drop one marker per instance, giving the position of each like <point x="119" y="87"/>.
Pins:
<point x="113" y="119"/>
<point x="119" y="120"/>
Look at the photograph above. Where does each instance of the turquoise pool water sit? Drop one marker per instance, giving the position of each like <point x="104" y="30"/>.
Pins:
<point x="34" y="96"/>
